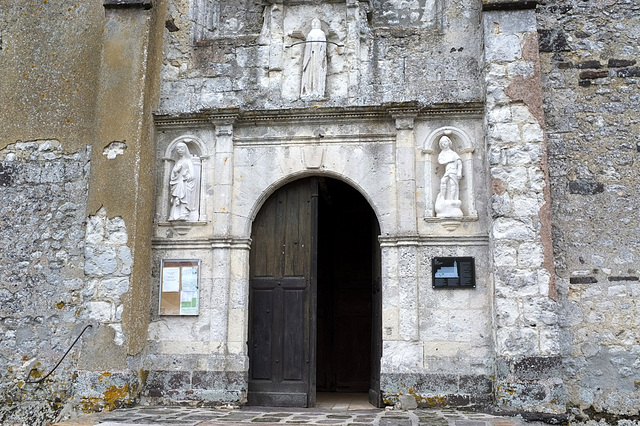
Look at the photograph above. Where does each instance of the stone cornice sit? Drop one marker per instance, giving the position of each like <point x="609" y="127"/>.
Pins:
<point x="433" y="240"/>
<point x="318" y="114"/>
<point x="202" y="244"/>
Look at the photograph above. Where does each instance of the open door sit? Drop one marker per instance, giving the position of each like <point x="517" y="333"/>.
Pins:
<point x="282" y="291"/>
<point x="348" y="292"/>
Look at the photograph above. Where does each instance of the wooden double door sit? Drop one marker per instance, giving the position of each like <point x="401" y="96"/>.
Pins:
<point x="315" y="300"/>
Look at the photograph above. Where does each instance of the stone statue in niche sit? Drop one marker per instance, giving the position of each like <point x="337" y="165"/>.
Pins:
<point x="182" y="186"/>
<point x="448" y="202"/>
<point x="314" y="62"/>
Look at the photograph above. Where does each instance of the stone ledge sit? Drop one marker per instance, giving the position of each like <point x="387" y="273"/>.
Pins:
<point x="488" y="5"/>
<point x="438" y="389"/>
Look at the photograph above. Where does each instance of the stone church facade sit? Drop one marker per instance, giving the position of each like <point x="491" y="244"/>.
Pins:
<point x="246" y="202"/>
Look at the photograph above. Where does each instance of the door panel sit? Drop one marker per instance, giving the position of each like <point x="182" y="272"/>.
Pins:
<point x="281" y="298"/>
<point x="294" y="329"/>
<point x="261" y="328"/>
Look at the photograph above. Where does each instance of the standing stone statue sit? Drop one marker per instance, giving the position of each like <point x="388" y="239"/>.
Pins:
<point x="448" y="202"/>
<point x="314" y="63"/>
<point x="182" y="185"/>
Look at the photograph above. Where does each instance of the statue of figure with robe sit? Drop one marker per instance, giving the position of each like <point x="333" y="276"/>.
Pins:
<point x="182" y="185"/>
<point x="448" y="202"/>
<point x="314" y="62"/>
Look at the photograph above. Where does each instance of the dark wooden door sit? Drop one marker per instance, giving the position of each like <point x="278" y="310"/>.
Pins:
<point x="282" y="290"/>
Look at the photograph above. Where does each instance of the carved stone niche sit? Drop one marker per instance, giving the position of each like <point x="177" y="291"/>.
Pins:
<point x="183" y="189"/>
<point x="459" y="154"/>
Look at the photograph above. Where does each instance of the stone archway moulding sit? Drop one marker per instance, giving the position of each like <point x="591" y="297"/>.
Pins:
<point x="203" y="151"/>
<point x="271" y="188"/>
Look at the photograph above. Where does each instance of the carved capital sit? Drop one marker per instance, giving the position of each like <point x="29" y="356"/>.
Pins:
<point x="223" y="122"/>
<point x="404" y="119"/>
<point x="224" y="129"/>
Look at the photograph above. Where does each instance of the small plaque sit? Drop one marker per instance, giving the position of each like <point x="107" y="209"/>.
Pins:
<point x="453" y="272"/>
<point x="179" y="287"/>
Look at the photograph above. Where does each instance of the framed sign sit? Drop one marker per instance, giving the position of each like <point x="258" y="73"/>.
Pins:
<point x="453" y="272"/>
<point x="179" y="283"/>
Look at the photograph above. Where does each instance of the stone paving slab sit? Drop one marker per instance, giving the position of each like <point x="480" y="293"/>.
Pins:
<point x="199" y="416"/>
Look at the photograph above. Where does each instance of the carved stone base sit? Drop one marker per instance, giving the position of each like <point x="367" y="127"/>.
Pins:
<point x="181" y="226"/>
<point x="450" y="225"/>
<point x="448" y="208"/>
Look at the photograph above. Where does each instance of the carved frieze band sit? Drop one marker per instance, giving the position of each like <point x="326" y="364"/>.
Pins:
<point x="332" y="115"/>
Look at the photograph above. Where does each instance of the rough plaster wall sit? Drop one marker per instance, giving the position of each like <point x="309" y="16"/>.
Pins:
<point x="49" y="70"/>
<point x="386" y="58"/>
<point x="589" y="54"/>
<point x="43" y="198"/>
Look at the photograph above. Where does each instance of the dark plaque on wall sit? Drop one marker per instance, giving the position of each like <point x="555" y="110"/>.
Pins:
<point x="453" y="272"/>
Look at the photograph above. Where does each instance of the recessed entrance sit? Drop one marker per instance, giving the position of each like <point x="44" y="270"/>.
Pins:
<point x="347" y="231"/>
<point x="315" y="301"/>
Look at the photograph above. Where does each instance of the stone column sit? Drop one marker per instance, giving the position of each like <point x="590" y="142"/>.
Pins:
<point x="238" y="312"/>
<point x="405" y="173"/>
<point x="273" y="36"/>
<point x="353" y="36"/>
<point x="402" y="350"/>
<point x="204" y="15"/>
<point x="526" y="323"/>
<point x="223" y="175"/>
<point x="230" y="258"/>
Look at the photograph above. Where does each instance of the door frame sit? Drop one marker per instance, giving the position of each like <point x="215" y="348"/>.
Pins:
<point x="375" y="397"/>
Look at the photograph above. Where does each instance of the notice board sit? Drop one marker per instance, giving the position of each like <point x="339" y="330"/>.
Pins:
<point x="179" y="283"/>
<point x="453" y="272"/>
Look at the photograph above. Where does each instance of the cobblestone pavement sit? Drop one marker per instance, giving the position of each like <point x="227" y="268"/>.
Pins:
<point x="189" y="416"/>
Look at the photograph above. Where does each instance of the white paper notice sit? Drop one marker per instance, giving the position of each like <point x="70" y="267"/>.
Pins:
<point x="170" y="279"/>
<point x="189" y="278"/>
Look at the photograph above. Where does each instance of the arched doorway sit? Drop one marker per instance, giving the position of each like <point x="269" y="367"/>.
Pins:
<point x="314" y="299"/>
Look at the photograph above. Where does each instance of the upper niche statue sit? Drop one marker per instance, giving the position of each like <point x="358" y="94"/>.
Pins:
<point x="182" y="186"/>
<point x="314" y="63"/>
<point x="448" y="202"/>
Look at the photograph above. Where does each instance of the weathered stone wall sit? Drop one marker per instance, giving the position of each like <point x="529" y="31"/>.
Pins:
<point x="59" y="275"/>
<point x="429" y="53"/>
<point x="589" y="53"/>
<point x="526" y="322"/>
<point x="42" y="293"/>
